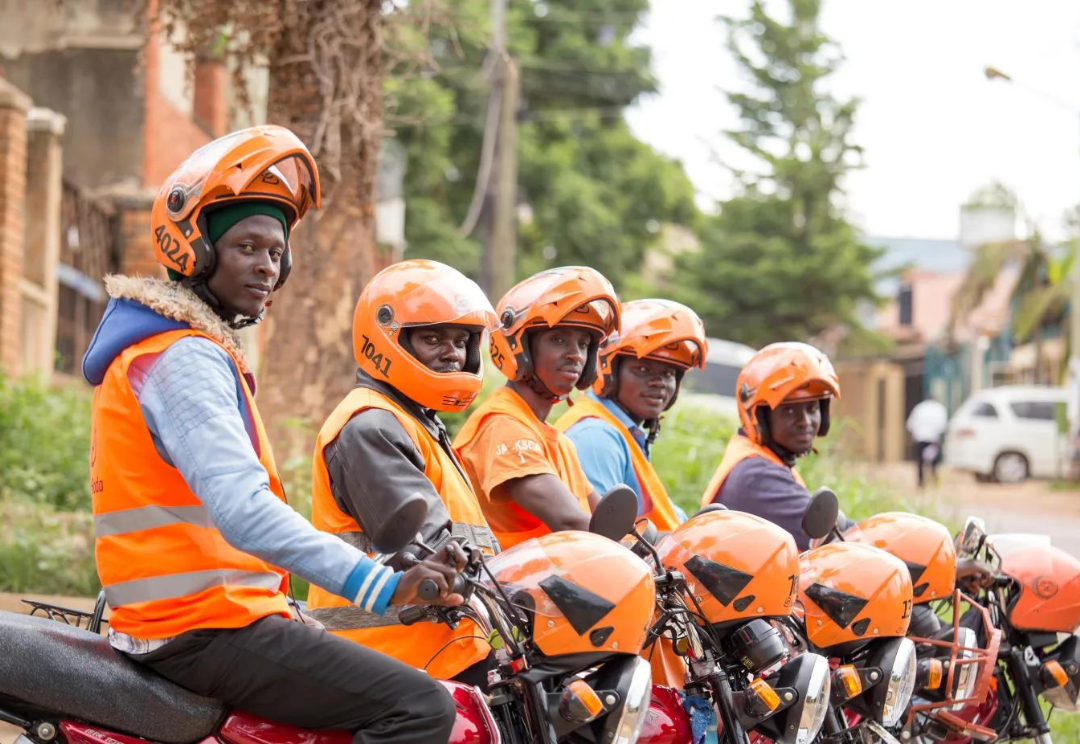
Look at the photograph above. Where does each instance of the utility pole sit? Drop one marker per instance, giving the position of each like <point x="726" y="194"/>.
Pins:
<point x="500" y="202"/>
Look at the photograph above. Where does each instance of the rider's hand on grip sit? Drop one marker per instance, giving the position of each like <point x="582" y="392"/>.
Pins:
<point x="435" y="580"/>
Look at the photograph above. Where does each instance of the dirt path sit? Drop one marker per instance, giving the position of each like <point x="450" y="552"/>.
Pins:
<point x="1028" y="507"/>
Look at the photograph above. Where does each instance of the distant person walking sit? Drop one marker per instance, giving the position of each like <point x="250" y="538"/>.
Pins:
<point x="927" y="423"/>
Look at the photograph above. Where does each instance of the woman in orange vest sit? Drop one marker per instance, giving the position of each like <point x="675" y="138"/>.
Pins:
<point x="783" y="393"/>
<point x="525" y="472"/>
<point x="417" y="333"/>
<point x="641" y="369"/>
<point x="194" y="540"/>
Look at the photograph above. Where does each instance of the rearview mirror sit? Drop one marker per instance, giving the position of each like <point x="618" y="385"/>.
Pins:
<point x="711" y="508"/>
<point x="821" y="513"/>
<point x="398" y="528"/>
<point x="615" y="513"/>
<point x="971" y="539"/>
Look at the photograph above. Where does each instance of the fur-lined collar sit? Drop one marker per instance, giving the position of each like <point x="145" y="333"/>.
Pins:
<point x="175" y="301"/>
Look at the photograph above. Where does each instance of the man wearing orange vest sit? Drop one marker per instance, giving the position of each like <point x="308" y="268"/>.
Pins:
<point x="525" y="472"/>
<point x="193" y="536"/>
<point x="783" y="395"/>
<point x="641" y="369"/>
<point x="417" y="333"/>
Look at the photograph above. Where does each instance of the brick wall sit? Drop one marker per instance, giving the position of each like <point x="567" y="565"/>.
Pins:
<point x="13" y="108"/>
<point x="136" y="248"/>
<point x="169" y="135"/>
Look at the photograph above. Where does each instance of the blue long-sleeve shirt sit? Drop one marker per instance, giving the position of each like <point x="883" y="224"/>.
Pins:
<point x="605" y="454"/>
<point x="191" y="399"/>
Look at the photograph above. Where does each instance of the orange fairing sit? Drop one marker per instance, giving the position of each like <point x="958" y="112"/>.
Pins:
<point x="655" y="329"/>
<point x="783" y="371"/>
<point x="267" y="163"/>
<point x="737" y="565"/>
<point x="571" y="295"/>
<point x="585" y="593"/>
<point x="420" y="293"/>
<point x="853" y="593"/>
<point x="925" y="547"/>
<point x="1049" y="581"/>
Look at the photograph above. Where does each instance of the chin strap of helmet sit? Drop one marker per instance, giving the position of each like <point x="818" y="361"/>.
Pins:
<point x="537" y="385"/>
<point x="202" y="291"/>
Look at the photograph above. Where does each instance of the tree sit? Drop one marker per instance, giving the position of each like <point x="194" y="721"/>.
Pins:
<point x="326" y="61"/>
<point x="780" y="261"/>
<point x="594" y="193"/>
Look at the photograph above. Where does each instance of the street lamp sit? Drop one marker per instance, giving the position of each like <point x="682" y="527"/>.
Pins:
<point x="1073" y="383"/>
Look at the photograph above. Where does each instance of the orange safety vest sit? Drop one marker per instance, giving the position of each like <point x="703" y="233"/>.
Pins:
<point x="660" y="510"/>
<point x="417" y="646"/>
<point x="165" y="567"/>
<point x="740" y="448"/>
<point x="558" y="450"/>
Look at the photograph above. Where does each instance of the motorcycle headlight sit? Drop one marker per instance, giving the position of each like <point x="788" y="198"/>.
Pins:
<point x="968" y="673"/>
<point x="1060" y="676"/>
<point x="808" y="675"/>
<point x="890" y="697"/>
<point x="631" y="679"/>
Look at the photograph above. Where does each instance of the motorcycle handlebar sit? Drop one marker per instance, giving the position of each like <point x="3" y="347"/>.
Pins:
<point x="429" y="590"/>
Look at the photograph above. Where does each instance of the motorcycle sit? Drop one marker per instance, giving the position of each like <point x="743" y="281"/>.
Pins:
<point x="1031" y="591"/>
<point x="724" y="579"/>
<point x="567" y="614"/>
<point x="854" y="606"/>
<point x="955" y="668"/>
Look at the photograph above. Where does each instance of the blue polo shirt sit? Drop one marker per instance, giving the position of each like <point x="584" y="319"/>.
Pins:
<point x="604" y="453"/>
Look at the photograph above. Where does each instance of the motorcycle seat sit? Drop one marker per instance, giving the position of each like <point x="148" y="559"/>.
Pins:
<point x="78" y="676"/>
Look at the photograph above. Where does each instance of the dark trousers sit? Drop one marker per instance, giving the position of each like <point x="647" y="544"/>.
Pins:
<point x="285" y="671"/>
<point x="926" y="462"/>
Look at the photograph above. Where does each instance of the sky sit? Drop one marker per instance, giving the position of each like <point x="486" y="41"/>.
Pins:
<point x="934" y="129"/>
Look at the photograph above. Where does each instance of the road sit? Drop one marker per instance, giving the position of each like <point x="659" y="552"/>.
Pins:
<point x="1035" y="506"/>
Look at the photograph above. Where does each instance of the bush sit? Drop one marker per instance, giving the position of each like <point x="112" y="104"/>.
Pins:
<point x="46" y="551"/>
<point x="44" y="444"/>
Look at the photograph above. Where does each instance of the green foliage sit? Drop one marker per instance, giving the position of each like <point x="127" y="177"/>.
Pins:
<point x="595" y="194"/>
<point x="46" y="551"/>
<point x="780" y="257"/>
<point x="690" y="446"/>
<point x="44" y="447"/>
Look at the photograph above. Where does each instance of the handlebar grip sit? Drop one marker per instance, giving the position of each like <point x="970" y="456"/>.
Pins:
<point x="428" y="590"/>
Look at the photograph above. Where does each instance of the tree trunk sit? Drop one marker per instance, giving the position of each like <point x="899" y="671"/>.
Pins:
<point x="326" y="85"/>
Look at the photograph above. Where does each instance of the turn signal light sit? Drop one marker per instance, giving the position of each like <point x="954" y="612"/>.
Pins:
<point x="1056" y="673"/>
<point x="579" y="703"/>
<point x="935" y="670"/>
<point x="767" y="701"/>
<point x="848" y="679"/>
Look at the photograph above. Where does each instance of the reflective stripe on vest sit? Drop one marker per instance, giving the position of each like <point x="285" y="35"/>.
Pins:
<point x="661" y="512"/>
<point x="414" y="646"/>
<point x="147" y="518"/>
<point x="740" y="448"/>
<point x="183" y="584"/>
<point x="165" y="567"/>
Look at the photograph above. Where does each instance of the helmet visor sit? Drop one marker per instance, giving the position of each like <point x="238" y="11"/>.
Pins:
<point x="289" y="177"/>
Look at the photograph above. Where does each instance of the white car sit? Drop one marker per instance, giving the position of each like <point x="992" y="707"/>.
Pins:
<point x="714" y="387"/>
<point x="1009" y="434"/>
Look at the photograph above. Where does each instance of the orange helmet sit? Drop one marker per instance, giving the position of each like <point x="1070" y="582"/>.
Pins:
<point x="582" y="592"/>
<point x="1049" y="580"/>
<point x="267" y="163"/>
<point x="420" y="293"/>
<point x="784" y="371"/>
<point x="924" y="545"/>
<point x="653" y="329"/>
<point x="738" y="566"/>
<point x="569" y="296"/>
<point x="852" y="593"/>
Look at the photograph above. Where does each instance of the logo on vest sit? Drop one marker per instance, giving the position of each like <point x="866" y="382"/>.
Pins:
<point x="520" y="447"/>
